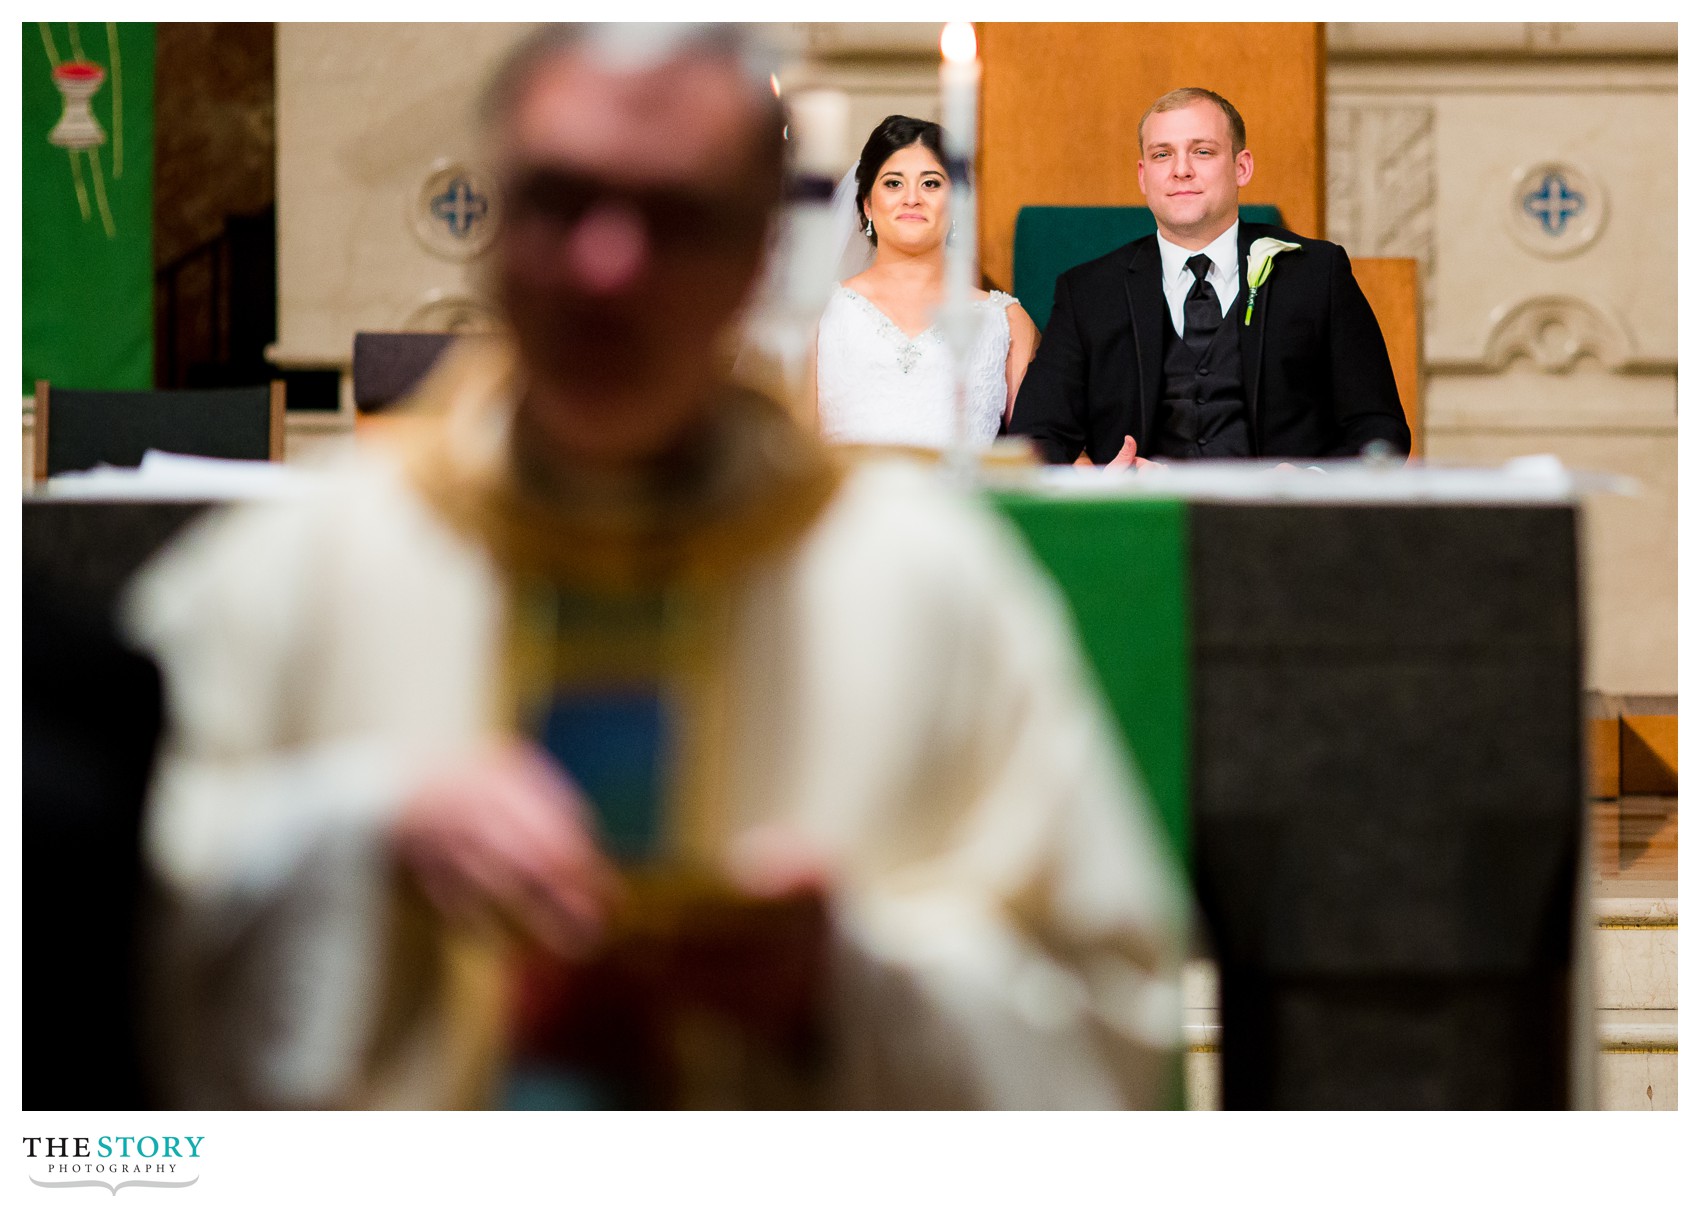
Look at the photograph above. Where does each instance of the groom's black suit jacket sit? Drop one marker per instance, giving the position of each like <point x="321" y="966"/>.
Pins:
<point x="1317" y="380"/>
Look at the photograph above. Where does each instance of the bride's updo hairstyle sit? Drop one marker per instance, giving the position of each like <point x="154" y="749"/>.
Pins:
<point x="890" y="137"/>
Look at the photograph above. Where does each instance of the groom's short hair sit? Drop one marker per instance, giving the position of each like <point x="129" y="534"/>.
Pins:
<point x="1180" y="98"/>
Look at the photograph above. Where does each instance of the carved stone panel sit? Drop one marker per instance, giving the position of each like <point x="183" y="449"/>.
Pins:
<point x="1555" y="332"/>
<point x="1555" y="208"/>
<point x="1381" y="180"/>
<point x="382" y="200"/>
<point x="1506" y="180"/>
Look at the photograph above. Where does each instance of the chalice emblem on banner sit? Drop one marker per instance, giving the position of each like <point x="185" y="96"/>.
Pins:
<point x="77" y="128"/>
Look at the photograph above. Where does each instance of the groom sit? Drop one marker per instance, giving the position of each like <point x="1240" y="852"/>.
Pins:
<point x="1172" y="347"/>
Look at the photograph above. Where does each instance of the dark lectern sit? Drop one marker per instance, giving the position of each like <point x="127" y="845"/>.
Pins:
<point x="1387" y="799"/>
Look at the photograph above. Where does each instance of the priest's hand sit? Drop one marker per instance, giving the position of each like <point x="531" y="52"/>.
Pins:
<point x="778" y="862"/>
<point x="504" y="834"/>
<point x="747" y="952"/>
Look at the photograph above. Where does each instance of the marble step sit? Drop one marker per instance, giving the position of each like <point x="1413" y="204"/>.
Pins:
<point x="1635" y="953"/>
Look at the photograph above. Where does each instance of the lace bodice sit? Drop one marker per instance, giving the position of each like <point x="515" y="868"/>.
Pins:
<point x="880" y="386"/>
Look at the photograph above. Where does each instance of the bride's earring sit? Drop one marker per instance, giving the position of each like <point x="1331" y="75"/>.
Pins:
<point x="867" y="228"/>
<point x="950" y="236"/>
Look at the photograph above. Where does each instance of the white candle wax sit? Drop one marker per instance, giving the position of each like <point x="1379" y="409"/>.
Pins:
<point x="959" y="86"/>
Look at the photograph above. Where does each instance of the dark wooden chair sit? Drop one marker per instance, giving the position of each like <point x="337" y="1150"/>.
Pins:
<point x="389" y="365"/>
<point x="75" y="430"/>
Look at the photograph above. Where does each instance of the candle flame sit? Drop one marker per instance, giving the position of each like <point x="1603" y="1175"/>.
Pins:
<point x="957" y="43"/>
<point x="773" y="79"/>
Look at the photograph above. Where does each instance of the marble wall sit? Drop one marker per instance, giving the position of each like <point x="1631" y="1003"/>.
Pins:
<point x="1531" y="171"/>
<point x="381" y="202"/>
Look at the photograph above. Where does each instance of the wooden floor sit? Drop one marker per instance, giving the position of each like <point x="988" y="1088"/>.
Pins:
<point x="1632" y="760"/>
<point x="1635" y="843"/>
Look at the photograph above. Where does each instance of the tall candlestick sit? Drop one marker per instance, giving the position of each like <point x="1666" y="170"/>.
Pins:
<point x="819" y="121"/>
<point x="959" y="86"/>
<point x="803" y="260"/>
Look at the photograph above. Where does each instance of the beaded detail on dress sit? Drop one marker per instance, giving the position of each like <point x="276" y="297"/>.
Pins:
<point x="908" y="348"/>
<point x="878" y="385"/>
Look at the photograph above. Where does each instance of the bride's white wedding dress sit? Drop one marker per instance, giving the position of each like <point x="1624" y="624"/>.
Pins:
<point x="879" y="386"/>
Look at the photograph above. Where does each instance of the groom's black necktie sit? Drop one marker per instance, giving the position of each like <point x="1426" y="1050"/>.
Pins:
<point x="1202" y="309"/>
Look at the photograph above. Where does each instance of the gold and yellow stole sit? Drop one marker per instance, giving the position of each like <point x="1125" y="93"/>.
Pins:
<point x="620" y="588"/>
<point x="619" y="594"/>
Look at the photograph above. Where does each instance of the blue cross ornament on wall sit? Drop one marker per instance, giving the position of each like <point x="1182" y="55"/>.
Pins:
<point x="1553" y="203"/>
<point x="460" y="207"/>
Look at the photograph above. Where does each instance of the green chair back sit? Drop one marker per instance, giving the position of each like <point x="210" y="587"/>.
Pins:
<point x="1050" y="240"/>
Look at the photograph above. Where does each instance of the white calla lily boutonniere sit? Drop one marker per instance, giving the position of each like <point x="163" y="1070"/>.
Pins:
<point x="1260" y="259"/>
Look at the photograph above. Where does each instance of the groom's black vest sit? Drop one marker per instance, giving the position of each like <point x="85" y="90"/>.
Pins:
<point x="1203" y="415"/>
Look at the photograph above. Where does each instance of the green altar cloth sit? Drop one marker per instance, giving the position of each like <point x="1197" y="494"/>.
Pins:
<point x="1122" y="567"/>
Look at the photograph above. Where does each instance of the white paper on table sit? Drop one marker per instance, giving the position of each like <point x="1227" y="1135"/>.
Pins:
<point x="166" y="476"/>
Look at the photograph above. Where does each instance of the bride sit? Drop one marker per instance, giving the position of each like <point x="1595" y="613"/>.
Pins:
<point x="884" y="373"/>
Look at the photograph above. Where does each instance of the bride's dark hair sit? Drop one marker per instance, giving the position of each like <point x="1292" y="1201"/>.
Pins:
<point x="891" y="136"/>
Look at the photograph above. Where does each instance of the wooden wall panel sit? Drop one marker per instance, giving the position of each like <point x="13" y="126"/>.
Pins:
<point x="1604" y="760"/>
<point x="1061" y="104"/>
<point x="1394" y="291"/>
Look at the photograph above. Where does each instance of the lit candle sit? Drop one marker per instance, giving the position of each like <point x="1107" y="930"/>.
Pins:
<point x="959" y="83"/>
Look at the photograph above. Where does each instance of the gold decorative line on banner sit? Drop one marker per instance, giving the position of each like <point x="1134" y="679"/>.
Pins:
<point x="117" y="101"/>
<point x="77" y="180"/>
<point x="47" y="43"/>
<point x="100" y="193"/>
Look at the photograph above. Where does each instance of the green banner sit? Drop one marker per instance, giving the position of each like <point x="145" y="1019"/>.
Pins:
<point x="88" y="204"/>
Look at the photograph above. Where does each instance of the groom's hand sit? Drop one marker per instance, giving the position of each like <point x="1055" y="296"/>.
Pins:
<point x="1128" y="456"/>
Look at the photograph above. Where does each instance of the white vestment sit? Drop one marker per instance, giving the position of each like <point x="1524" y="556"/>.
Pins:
<point x="1008" y="924"/>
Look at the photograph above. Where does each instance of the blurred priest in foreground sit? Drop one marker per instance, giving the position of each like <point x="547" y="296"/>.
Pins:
<point x="605" y="743"/>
